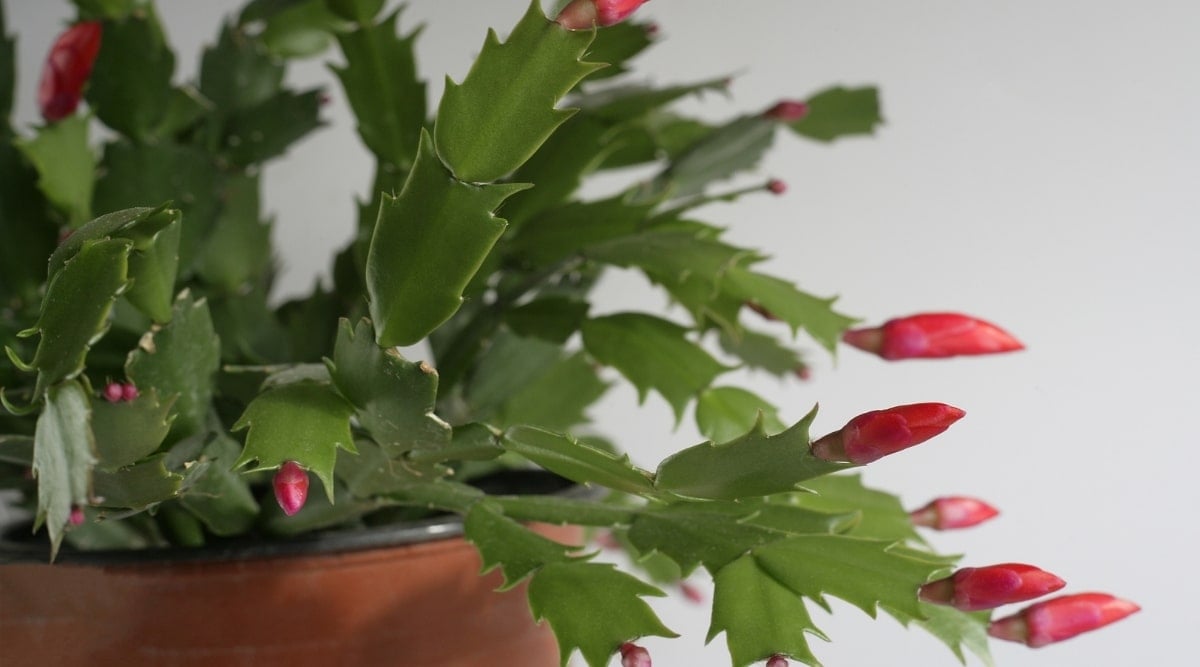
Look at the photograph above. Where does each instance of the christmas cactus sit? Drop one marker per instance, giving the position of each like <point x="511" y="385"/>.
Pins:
<point x="157" y="396"/>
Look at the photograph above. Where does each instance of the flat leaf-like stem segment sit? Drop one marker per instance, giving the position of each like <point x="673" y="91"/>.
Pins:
<point x="303" y="422"/>
<point x="65" y="166"/>
<point x="755" y="464"/>
<point x="504" y="543"/>
<point x="63" y="455"/>
<point x="839" y="112"/>
<point x="593" y="606"/>
<point x="491" y="123"/>
<point x="76" y="308"/>
<point x="428" y="244"/>
<point x="563" y="455"/>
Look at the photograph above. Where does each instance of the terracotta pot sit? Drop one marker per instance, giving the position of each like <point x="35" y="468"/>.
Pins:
<point x="407" y="596"/>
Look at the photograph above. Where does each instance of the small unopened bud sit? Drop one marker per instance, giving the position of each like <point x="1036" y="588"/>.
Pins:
<point x="113" y="392"/>
<point x="652" y="30"/>
<point x="607" y="540"/>
<point x="802" y="372"/>
<point x="777" y="660"/>
<point x="291" y="487"/>
<point x="876" y="434"/>
<point x="776" y="186"/>
<point x="931" y="336"/>
<point x="950" y="512"/>
<point x="1061" y="618"/>
<point x="787" y="111"/>
<point x="586" y="14"/>
<point x="129" y="392"/>
<point x="67" y="68"/>
<point x="693" y="594"/>
<point x="75" y="518"/>
<point x="977" y="588"/>
<point x="633" y="655"/>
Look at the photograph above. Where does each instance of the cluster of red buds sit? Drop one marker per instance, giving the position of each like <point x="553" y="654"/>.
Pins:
<point x="588" y="14"/>
<point x="291" y="487"/>
<point x="68" y="66"/>
<point x="115" y="392"/>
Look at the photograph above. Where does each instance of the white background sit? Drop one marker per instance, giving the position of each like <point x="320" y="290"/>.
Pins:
<point x="1038" y="168"/>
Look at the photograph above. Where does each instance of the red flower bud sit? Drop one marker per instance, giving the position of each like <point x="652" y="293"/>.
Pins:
<point x="67" y="68"/>
<point x="586" y="14"/>
<point x="75" y="518"/>
<point x="873" y="435"/>
<point x="129" y="391"/>
<point x="951" y="512"/>
<point x="932" y="335"/>
<point x="693" y="594"/>
<point x="777" y="661"/>
<point x="1061" y="618"/>
<point x="787" y="111"/>
<point x="976" y="588"/>
<point x="291" y="487"/>
<point x="113" y="392"/>
<point x="633" y="655"/>
<point x="776" y="186"/>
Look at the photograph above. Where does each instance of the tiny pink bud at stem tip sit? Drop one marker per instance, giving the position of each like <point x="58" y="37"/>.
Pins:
<point x="787" y="111"/>
<point x="76" y="517"/>
<point x="291" y="487"/>
<point x="951" y="512"/>
<point x="876" y="434"/>
<point x="633" y="655"/>
<point x="113" y="392"/>
<point x="978" y="588"/>
<point x="693" y="594"/>
<point x="1061" y="618"/>
<point x="777" y="661"/>
<point x="586" y="14"/>
<point x="776" y="186"/>
<point x="129" y="392"/>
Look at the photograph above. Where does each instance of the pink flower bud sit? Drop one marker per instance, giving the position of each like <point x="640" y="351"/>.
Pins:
<point x="1061" y="618"/>
<point x="976" y="588"/>
<point x="932" y="335"/>
<point x="586" y="14"/>
<point x="129" y="392"/>
<point x="802" y="372"/>
<point x="777" y="661"/>
<point x="776" y="186"/>
<point x="693" y="594"/>
<point x="873" y="435"/>
<point x="950" y="512"/>
<point x="787" y="111"/>
<point x="633" y="655"/>
<point x="607" y="540"/>
<point x="67" y="68"/>
<point x="291" y="487"/>
<point x="113" y="392"/>
<point x="76" y="517"/>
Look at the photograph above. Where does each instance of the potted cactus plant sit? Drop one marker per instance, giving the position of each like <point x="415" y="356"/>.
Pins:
<point x="167" y="423"/>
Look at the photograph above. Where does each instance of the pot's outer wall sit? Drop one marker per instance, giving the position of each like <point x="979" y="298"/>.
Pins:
<point x="415" y="605"/>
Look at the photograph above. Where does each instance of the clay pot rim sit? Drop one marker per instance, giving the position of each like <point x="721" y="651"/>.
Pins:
<point x="441" y="527"/>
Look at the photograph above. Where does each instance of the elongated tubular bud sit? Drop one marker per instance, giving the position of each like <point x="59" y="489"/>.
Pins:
<point x="67" y="68"/>
<point x="1061" y="618"/>
<point x="952" y="512"/>
<point x="787" y="111"/>
<point x="977" y="588"/>
<point x="586" y="14"/>
<point x="932" y="336"/>
<point x="876" y="434"/>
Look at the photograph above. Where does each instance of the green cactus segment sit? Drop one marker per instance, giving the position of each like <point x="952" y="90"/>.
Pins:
<point x="220" y="498"/>
<point x="759" y="616"/>
<point x="8" y="71"/>
<point x="239" y="239"/>
<point x="303" y="422"/>
<point x="491" y="123"/>
<point x="578" y="462"/>
<point x="759" y="598"/>
<point x="504" y="543"/>
<point x="300" y="28"/>
<point x="76" y="309"/>
<point x="256" y="134"/>
<point x="180" y="359"/>
<point x="798" y="309"/>
<point x="381" y="84"/>
<point x="133" y="105"/>
<point x="593" y="607"/>
<point x="63" y="456"/>
<point x="154" y="264"/>
<point x="65" y="166"/>
<point x="29" y="235"/>
<point x="393" y="397"/>
<point x="883" y="517"/>
<point x="428" y="244"/>
<point x="137" y="487"/>
<point x="560" y="232"/>
<point x="625" y="103"/>
<point x="755" y="464"/>
<point x="726" y="413"/>
<point x="109" y="9"/>
<point x="729" y="149"/>
<point x="652" y="353"/>
<point x="238" y="72"/>
<point x="359" y="11"/>
<point x="840" y="112"/>
<point x="127" y="432"/>
<point x="956" y="629"/>
<point x="617" y="45"/>
<point x="761" y="351"/>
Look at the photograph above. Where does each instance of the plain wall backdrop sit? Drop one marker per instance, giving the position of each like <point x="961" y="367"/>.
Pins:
<point x="1038" y="167"/>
